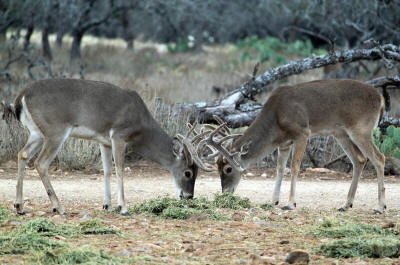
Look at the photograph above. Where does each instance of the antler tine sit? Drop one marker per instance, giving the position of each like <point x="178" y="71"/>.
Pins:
<point x="221" y="121"/>
<point x="191" y="129"/>
<point x="218" y="145"/>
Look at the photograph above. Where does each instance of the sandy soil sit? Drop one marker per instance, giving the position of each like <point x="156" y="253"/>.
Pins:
<point x="145" y="181"/>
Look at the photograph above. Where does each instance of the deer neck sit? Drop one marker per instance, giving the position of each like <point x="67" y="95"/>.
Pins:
<point x="157" y="146"/>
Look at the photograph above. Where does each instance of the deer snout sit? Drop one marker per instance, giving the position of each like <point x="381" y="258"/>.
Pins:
<point x="185" y="196"/>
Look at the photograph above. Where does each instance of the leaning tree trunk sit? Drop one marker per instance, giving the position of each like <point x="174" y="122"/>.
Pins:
<point x="46" y="49"/>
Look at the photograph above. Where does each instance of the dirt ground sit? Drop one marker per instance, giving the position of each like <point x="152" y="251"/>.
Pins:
<point x="315" y="190"/>
<point x="248" y="240"/>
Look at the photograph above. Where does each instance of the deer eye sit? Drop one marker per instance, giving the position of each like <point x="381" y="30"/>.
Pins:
<point x="227" y="170"/>
<point x="188" y="173"/>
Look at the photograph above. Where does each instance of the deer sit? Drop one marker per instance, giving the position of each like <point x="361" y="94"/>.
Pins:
<point x="347" y="109"/>
<point x="55" y="109"/>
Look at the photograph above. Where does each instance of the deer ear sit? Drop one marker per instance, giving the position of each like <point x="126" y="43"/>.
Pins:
<point x="245" y="148"/>
<point x="177" y="147"/>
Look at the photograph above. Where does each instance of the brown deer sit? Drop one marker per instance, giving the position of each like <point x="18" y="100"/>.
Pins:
<point x="56" y="109"/>
<point x="347" y="109"/>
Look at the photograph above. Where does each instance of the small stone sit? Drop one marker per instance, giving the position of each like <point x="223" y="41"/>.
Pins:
<point x="250" y="174"/>
<point x="60" y="237"/>
<point x="237" y="217"/>
<point x="297" y="256"/>
<point x="124" y="253"/>
<point x="40" y="213"/>
<point x="15" y="223"/>
<point x="85" y="218"/>
<point x="264" y="175"/>
<point x="28" y="209"/>
<point x="388" y="225"/>
<point x="284" y="242"/>
<point x="127" y="169"/>
<point x="196" y="218"/>
<point x="1" y="170"/>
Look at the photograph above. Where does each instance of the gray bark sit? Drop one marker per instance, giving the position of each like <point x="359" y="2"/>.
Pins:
<point x="237" y="112"/>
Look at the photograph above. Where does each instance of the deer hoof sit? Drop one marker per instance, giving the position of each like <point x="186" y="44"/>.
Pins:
<point x="276" y="202"/>
<point x="21" y="213"/>
<point x="376" y="211"/>
<point x="106" y="207"/>
<point x="125" y="214"/>
<point x="342" y="209"/>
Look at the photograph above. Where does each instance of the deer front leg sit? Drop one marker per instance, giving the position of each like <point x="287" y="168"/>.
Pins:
<point x="106" y="157"/>
<point x="118" y="147"/>
<point x="283" y="155"/>
<point x="24" y="156"/>
<point x="298" y="150"/>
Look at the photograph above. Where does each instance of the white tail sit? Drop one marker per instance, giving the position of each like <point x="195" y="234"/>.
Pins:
<point x="347" y="109"/>
<point x="56" y="109"/>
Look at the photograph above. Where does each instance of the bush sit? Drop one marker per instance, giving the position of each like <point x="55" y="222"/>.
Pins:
<point x="389" y="143"/>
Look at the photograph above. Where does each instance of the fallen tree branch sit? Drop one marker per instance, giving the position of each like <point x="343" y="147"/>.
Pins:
<point x="234" y="109"/>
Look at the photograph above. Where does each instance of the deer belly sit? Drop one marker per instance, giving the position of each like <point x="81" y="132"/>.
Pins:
<point x="89" y="134"/>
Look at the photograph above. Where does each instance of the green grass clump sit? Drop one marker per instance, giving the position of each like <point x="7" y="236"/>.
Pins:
<point x="230" y="201"/>
<point x="182" y="209"/>
<point x="3" y="214"/>
<point x="36" y="239"/>
<point x="45" y="227"/>
<point x="94" y="226"/>
<point x="171" y="208"/>
<point x="365" y="246"/>
<point x="357" y="240"/>
<point x="266" y="206"/>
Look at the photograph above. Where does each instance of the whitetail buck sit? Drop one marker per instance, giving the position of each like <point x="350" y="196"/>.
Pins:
<point x="347" y="109"/>
<point x="55" y="109"/>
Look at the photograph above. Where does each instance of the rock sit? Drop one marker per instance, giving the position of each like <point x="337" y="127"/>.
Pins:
<point x="28" y="209"/>
<point x="237" y="217"/>
<point x="264" y="175"/>
<point x="85" y="218"/>
<point x="284" y="242"/>
<point x="388" y="225"/>
<point x="40" y="213"/>
<point x="249" y="174"/>
<point x="196" y="218"/>
<point x="14" y="223"/>
<point x="297" y="256"/>
<point x="141" y="250"/>
<point x="124" y="253"/>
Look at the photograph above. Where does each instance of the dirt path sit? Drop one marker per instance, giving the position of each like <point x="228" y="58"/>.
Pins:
<point x="149" y="181"/>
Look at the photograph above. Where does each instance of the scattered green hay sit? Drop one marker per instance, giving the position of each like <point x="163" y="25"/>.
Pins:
<point x="45" y="227"/>
<point x="83" y="255"/>
<point x="230" y="201"/>
<point x="36" y="239"/>
<point x="182" y="209"/>
<point x="367" y="247"/>
<point x="357" y="240"/>
<point x="94" y="226"/>
<point x="266" y="206"/>
<point x="330" y="229"/>
<point x="3" y="214"/>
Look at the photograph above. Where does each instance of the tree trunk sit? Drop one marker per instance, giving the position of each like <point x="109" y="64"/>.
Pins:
<point x="27" y="38"/>
<point x="129" y="45"/>
<point x="76" y="46"/>
<point x="46" y="49"/>
<point x="3" y="36"/>
<point x="59" y="39"/>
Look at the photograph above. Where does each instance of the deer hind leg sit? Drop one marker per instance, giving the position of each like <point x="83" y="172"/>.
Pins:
<point x="32" y="146"/>
<point x="118" y="148"/>
<point x="365" y="143"/>
<point x="358" y="160"/>
<point x="49" y="150"/>
<point x="106" y="157"/>
<point x="299" y="147"/>
<point x="283" y="155"/>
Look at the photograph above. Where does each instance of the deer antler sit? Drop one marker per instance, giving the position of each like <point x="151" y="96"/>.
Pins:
<point x="188" y="149"/>
<point x="218" y="144"/>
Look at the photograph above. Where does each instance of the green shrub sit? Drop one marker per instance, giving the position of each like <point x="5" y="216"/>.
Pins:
<point x="272" y="49"/>
<point x="94" y="226"/>
<point x="3" y="214"/>
<point x="389" y="143"/>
